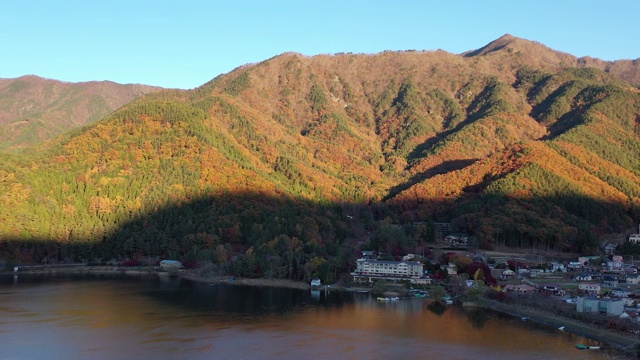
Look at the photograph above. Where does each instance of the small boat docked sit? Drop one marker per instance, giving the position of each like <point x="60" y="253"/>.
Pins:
<point x="395" y="298"/>
<point x="587" y="347"/>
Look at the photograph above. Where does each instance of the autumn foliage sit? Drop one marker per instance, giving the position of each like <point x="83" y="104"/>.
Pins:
<point x="288" y="167"/>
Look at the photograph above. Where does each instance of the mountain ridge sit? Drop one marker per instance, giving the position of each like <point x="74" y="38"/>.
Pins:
<point x="34" y="109"/>
<point x="270" y="159"/>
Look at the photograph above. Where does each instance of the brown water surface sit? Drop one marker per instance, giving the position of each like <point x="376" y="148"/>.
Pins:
<point x="115" y="317"/>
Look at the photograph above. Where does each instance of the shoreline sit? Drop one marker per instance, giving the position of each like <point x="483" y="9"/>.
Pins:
<point x="619" y="341"/>
<point x="153" y="271"/>
<point x="232" y="280"/>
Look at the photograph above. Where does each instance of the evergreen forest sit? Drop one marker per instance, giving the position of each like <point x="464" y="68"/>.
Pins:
<point x="288" y="168"/>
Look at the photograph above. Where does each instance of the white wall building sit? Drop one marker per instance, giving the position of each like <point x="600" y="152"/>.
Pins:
<point x="589" y="288"/>
<point x="369" y="269"/>
<point x="611" y="307"/>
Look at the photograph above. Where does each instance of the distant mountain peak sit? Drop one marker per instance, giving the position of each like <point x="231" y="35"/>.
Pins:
<point x="506" y="37"/>
<point x="499" y="44"/>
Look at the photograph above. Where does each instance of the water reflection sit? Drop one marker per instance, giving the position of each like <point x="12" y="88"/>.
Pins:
<point x="106" y="317"/>
<point x="436" y="307"/>
<point x="477" y="318"/>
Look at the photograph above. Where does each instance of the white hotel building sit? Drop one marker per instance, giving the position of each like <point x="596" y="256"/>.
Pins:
<point x="368" y="270"/>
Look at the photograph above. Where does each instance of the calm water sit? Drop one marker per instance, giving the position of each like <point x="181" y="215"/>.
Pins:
<point x="112" y="317"/>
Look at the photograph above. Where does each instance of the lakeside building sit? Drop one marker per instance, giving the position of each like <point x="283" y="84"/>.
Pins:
<point x="170" y="265"/>
<point x="519" y="289"/>
<point x="589" y="288"/>
<point x="369" y="270"/>
<point x="593" y="304"/>
<point x="620" y="292"/>
<point x="635" y="238"/>
<point x="613" y="264"/>
<point x="586" y="260"/>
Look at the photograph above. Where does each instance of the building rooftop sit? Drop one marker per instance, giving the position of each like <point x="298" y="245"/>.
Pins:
<point x="390" y="261"/>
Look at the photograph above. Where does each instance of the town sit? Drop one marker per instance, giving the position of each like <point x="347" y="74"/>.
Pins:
<point x="601" y="290"/>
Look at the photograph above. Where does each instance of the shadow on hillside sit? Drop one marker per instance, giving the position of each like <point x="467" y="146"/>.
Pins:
<point x="445" y="167"/>
<point x="270" y="229"/>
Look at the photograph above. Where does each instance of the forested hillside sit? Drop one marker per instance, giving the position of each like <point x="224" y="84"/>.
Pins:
<point x="288" y="167"/>
<point x="33" y="109"/>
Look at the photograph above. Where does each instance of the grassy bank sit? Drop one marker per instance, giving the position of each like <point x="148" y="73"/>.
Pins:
<point x="222" y="279"/>
<point x="626" y="342"/>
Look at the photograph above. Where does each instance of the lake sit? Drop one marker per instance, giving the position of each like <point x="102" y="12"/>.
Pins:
<point x="66" y="316"/>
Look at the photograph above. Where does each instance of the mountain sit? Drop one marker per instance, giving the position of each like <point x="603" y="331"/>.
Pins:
<point x="33" y="109"/>
<point x="540" y="56"/>
<point x="287" y="167"/>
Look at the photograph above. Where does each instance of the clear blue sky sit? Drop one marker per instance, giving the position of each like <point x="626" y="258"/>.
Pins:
<point x="183" y="43"/>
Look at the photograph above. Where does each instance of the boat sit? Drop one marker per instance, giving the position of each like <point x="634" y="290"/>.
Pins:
<point x="388" y="298"/>
<point x="587" y="347"/>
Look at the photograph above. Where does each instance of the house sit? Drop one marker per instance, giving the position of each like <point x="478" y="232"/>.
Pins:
<point x="552" y="289"/>
<point x="519" y="289"/>
<point x="316" y="282"/>
<point x="408" y="257"/>
<point x="457" y="239"/>
<point x="610" y="280"/>
<point x="632" y="279"/>
<point x="574" y="265"/>
<point x="368" y="254"/>
<point x="618" y="259"/>
<point x="536" y="272"/>
<point x="589" y="288"/>
<point x="611" y="307"/>
<point x="451" y="269"/>
<point x="523" y="272"/>
<point x="596" y="276"/>
<point x="586" y="260"/>
<point x="423" y="280"/>
<point x="613" y="264"/>
<point x="620" y="292"/>
<point x="609" y="248"/>
<point x="556" y="266"/>
<point x="508" y="274"/>
<point x="629" y="269"/>
<point x="583" y="277"/>
<point x="635" y="238"/>
<point x="170" y="264"/>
